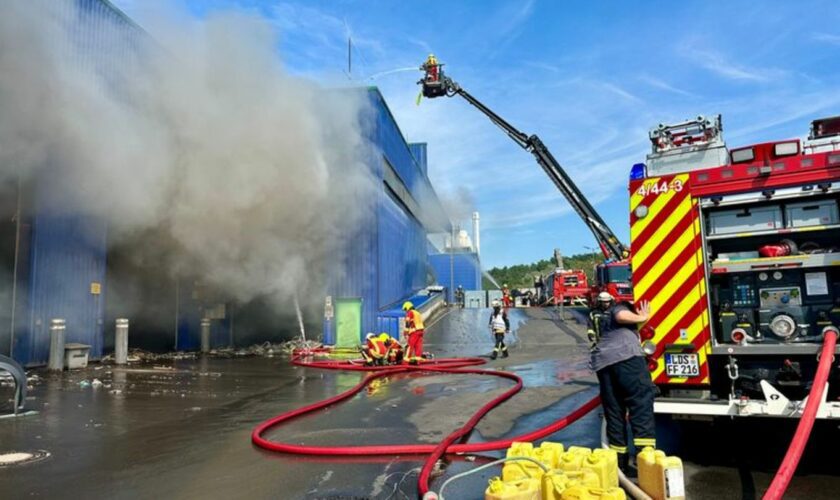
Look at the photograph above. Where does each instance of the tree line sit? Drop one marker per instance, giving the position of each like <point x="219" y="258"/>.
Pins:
<point x="522" y="275"/>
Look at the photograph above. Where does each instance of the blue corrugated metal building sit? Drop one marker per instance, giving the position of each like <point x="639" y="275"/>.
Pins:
<point x="57" y="264"/>
<point x="386" y="260"/>
<point x="458" y="268"/>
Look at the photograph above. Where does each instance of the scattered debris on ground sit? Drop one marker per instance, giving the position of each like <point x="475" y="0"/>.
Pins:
<point x="266" y="349"/>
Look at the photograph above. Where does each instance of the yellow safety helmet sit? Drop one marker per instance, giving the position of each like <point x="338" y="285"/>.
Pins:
<point x="384" y="336"/>
<point x="407" y="305"/>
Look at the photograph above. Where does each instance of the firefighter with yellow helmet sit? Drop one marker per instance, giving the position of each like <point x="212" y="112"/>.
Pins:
<point x="374" y="351"/>
<point x="414" y="330"/>
<point x="394" y="353"/>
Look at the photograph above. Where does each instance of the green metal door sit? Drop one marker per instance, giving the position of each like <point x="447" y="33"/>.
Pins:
<point x="348" y="322"/>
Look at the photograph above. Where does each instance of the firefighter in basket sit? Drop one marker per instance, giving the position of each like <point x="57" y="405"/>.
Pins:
<point x="627" y="391"/>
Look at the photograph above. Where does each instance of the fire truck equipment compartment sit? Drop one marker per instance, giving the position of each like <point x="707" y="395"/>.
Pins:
<point x="744" y="220"/>
<point x="812" y="213"/>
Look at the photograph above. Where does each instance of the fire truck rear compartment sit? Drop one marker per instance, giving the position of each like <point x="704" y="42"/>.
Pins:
<point x="774" y="285"/>
<point x="774" y="277"/>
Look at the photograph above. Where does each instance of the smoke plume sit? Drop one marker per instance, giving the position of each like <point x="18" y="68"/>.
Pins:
<point x="188" y="137"/>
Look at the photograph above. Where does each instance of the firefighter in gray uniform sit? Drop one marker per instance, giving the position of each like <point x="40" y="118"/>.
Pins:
<point x="626" y="386"/>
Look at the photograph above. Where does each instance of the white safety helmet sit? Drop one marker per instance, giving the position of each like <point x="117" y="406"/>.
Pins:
<point x="605" y="297"/>
<point x="495" y="303"/>
<point x="370" y="336"/>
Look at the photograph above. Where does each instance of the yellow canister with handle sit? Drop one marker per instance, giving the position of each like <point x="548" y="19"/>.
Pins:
<point x="584" y="477"/>
<point x="660" y="476"/>
<point x="580" y="492"/>
<point x="604" y="463"/>
<point x="523" y="489"/>
<point x="521" y="469"/>
<point x="552" y="453"/>
<point x="520" y="449"/>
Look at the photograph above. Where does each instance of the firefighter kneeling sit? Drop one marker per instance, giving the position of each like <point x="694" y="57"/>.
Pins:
<point x="381" y="350"/>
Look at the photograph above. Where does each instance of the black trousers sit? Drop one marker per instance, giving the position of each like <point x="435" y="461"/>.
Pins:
<point x="500" y="343"/>
<point x="626" y="388"/>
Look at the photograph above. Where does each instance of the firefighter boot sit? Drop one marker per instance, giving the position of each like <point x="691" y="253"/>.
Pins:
<point x="625" y="467"/>
<point x="495" y="354"/>
<point x="504" y="352"/>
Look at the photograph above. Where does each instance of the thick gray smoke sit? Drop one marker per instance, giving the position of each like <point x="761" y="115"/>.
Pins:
<point x="190" y="139"/>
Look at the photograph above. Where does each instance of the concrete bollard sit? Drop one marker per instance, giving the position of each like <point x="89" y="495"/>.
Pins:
<point x="58" y="329"/>
<point x="205" y="335"/>
<point x="121" y="342"/>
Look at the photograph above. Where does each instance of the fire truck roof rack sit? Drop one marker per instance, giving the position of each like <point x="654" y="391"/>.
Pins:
<point x="692" y="144"/>
<point x="824" y="136"/>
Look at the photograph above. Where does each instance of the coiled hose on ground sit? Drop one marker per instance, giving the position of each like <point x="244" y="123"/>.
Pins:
<point x="434" y="452"/>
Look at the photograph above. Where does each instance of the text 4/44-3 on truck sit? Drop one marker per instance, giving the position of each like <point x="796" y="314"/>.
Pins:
<point x="739" y="253"/>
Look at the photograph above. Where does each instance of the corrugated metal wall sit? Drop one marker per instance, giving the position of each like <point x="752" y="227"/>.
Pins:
<point x="465" y="267"/>
<point x="67" y="263"/>
<point x="419" y="151"/>
<point x="61" y="258"/>
<point x="386" y="259"/>
<point x="402" y="252"/>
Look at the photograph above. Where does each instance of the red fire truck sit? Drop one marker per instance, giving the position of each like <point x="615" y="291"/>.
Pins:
<point x="566" y="286"/>
<point x="612" y="277"/>
<point x="738" y="252"/>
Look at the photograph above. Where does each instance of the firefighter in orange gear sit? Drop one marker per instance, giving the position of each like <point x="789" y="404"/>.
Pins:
<point x="506" y="298"/>
<point x="414" y="330"/>
<point x="432" y="67"/>
<point x="395" y="351"/>
<point x="374" y="351"/>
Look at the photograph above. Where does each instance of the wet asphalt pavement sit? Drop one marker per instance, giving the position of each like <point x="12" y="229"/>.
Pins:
<point x="181" y="429"/>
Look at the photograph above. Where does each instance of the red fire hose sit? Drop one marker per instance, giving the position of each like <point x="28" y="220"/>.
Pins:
<point x="806" y="422"/>
<point x="445" y="365"/>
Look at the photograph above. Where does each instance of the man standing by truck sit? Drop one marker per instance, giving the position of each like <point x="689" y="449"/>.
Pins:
<point x="626" y="386"/>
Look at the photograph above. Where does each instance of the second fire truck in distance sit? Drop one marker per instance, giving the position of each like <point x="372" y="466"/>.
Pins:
<point x="738" y="252"/>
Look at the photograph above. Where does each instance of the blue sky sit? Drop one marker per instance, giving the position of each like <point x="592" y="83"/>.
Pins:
<point x="591" y="78"/>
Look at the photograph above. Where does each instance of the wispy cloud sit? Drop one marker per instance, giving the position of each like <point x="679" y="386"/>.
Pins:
<point x="615" y="89"/>
<point x="662" y="85"/>
<point x="829" y="38"/>
<point x="723" y="66"/>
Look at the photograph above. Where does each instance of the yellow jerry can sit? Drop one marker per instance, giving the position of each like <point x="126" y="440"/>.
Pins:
<point x="571" y="461"/>
<point x="660" y="476"/>
<point x="579" y="450"/>
<point x="519" y="449"/>
<point x="553" y="484"/>
<point x="521" y="469"/>
<point x="580" y="492"/>
<point x="551" y="453"/>
<point x="584" y="477"/>
<point x="523" y="489"/>
<point x="604" y="463"/>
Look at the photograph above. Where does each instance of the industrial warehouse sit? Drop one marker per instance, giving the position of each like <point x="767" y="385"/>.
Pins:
<point x="298" y="250"/>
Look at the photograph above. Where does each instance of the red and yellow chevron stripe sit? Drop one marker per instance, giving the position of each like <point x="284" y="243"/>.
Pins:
<point x="667" y="264"/>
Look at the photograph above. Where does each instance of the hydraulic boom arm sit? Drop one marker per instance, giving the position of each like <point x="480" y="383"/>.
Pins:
<point x="436" y="84"/>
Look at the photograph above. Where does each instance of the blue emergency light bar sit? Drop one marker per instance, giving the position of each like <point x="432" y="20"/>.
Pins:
<point x="639" y="171"/>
